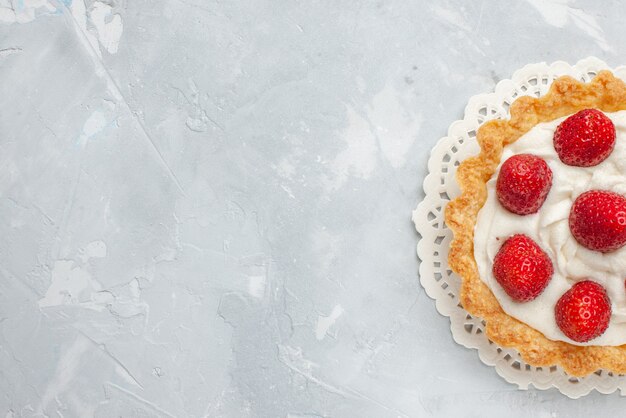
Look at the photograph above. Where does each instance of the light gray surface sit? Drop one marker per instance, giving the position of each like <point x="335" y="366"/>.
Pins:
<point x="213" y="218"/>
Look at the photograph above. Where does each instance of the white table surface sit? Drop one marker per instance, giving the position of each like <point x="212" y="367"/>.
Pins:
<point x="205" y="205"/>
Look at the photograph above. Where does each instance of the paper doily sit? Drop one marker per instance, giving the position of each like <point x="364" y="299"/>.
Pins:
<point x="440" y="186"/>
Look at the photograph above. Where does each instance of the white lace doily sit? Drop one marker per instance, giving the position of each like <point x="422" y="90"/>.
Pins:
<point x="440" y="186"/>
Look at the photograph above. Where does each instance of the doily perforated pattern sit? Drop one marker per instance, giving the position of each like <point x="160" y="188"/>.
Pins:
<point x="440" y="186"/>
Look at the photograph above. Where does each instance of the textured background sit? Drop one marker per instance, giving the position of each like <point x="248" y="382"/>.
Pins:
<point x="205" y="205"/>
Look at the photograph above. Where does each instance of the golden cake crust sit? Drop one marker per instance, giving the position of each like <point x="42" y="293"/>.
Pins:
<point x="566" y="96"/>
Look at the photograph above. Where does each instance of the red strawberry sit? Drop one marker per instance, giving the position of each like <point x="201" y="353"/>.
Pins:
<point x="598" y="220"/>
<point x="585" y="139"/>
<point x="523" y="183"/>
<point x="584" y="311"/>
<point x="522" y="268"/>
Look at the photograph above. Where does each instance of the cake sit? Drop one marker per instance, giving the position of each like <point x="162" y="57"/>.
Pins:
<point x="540" y="227"/>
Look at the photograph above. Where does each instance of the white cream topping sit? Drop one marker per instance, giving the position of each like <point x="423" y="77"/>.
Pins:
<point x="550" y="229"/>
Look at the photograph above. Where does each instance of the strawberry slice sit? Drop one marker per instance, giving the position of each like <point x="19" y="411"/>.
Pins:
<point x="585" y="139"/>
<point x="598" y="220"/>
<point x="584" y="311"/>
<point x="522" y="268"/>
<point x="523" y="183"/>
